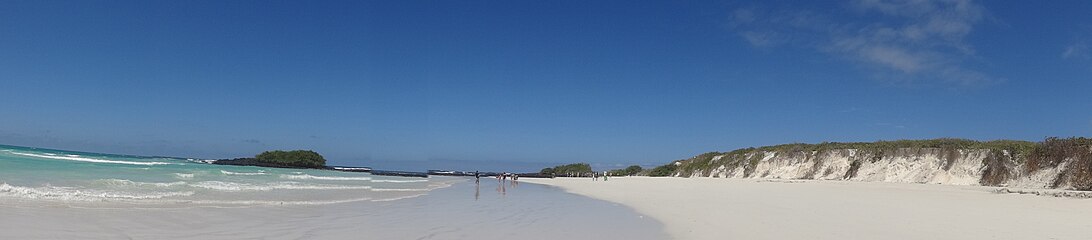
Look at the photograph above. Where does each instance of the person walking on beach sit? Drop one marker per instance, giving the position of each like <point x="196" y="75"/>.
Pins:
<point x="477" y="177"/>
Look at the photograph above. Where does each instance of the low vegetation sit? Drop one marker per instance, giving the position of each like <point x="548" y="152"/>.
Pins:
<point x="628" y="171"/>
<point x="568" y="170"/>
<point x="297" y="158"/>
<point x="663" y="171"/>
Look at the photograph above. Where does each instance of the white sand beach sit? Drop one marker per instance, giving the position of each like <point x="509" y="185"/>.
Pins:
<point x="462" y="211"/>
<point x="717" y="208"/>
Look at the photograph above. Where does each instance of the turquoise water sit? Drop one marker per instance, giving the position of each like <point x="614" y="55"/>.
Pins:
<point x="79" y="178"/>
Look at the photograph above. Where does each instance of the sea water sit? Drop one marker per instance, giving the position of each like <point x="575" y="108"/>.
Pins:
<point x="47" y="176"/>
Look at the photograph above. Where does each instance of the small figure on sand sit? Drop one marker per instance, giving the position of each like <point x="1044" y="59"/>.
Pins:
<point x="477" y="177"/>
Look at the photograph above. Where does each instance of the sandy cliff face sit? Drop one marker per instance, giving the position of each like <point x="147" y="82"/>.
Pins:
<point x="906" y="165"/>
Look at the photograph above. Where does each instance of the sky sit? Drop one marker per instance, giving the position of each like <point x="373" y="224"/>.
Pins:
<point x="501" y="85"/>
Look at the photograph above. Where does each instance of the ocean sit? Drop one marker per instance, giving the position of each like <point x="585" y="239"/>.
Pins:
<point x="95" y="179"/>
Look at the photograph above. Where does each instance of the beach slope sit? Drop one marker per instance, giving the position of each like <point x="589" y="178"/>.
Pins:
<point x="714" y="208"/>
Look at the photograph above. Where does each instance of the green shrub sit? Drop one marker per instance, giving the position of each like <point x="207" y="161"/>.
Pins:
<point x="575" y="169"/>
<point x="298" y="158"/>
<point x="628" y="171"/>
<point x="663" y="171"/>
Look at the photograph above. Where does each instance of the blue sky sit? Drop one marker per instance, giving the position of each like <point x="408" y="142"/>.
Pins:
<point x="517" y="84"/>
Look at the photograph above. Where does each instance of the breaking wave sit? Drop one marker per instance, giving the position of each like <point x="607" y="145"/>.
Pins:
<point x="260" y="172"/>
<point x="84" y="159"/>
<point x="306" y="176"/>
<point x="238" y="187"/>
<point x="123" y="182"/>
<point x="61" y="193"/>
<point x="398" y="181"/>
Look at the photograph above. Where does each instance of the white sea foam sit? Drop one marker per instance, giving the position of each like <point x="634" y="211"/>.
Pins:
<point x="397" y="181"/>
<point x="183" y="175"/>
<point x="68" y="194"/>
<point x="271" y="202"/>
<point x="239" y="187"/>
<point x="84" y="159"/>
<point x="399" y="189"/>
<point x="260" y="172"/>
<point x="398" y="198"/>
<point x="124" y="182"/>
<point x="333" y="178"/>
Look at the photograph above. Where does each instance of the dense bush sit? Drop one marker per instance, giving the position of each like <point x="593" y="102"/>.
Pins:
<point x="571" y="170"/>
<point x="1052" y="152"/>
<point x="663" y="171"/>
<point x="298" y="158"/>
<point x="628" y="171"/>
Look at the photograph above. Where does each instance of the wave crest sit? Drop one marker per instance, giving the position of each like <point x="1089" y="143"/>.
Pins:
<point x="332" y="178"/>
<point x="398" y="181"/>
<point x="260" y="172"/>
<point x="60" y="193"/>
<point x="240" y="187"/>
<point x="84" y="159"/>
<point x="124" y="182"/>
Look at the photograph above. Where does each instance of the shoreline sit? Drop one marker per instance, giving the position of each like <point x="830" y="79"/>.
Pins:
<point x="462" y="210"/>
<point x="718" y="208"/>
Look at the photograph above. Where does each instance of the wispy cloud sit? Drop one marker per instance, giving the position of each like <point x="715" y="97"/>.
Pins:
<point x="905" y="40"/>
<point x="1076" y="50"/>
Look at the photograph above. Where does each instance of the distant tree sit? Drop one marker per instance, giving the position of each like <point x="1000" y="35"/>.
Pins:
<point x="628" y="171"/>
<point x="663" y="171"/>
<point x="575" y="169"/>
<point x="547" y="171"/>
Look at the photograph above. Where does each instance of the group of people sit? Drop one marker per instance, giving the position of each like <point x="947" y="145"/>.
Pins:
<point x="500" y="177"/>
<point x="595" y="176"/>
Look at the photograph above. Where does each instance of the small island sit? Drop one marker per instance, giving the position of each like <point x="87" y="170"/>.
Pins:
<point x="280" y="159"/>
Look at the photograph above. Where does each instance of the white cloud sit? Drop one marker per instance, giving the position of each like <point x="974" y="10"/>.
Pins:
<point x="761" y="39"/>
<point x="894" y="57"/>
<point x="909" y="39"/>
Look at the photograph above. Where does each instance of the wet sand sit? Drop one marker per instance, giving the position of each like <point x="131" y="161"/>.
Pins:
<point x="462" y="211"/>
